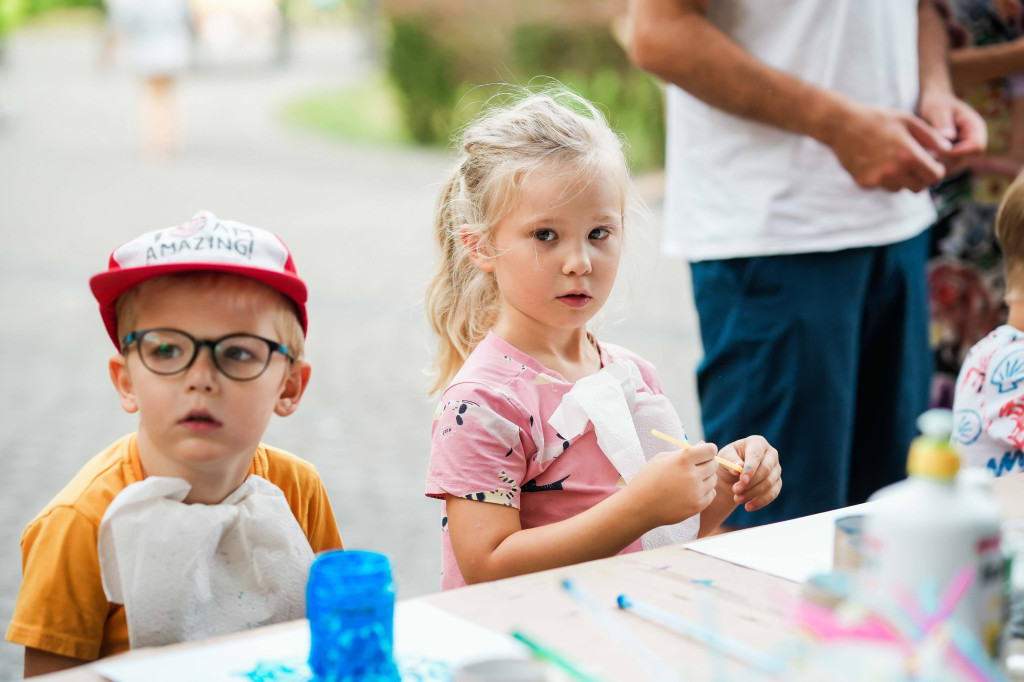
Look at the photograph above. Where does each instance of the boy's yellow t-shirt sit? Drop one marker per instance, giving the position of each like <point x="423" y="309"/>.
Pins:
<point x="61" y="606"/>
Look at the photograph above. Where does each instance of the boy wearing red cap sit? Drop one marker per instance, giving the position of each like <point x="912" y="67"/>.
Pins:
<point x="189" y="527"/>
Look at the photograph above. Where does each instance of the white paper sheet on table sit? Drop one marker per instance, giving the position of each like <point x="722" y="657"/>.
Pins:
<point x="794" y="550"/>
<point x="423" y="634"/>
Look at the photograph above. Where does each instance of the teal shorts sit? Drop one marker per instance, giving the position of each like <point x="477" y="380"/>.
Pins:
<point x="825" y="355"/>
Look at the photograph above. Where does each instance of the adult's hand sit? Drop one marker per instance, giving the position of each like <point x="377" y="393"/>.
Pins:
<point x="958" y="123"/>
<point x="887" y="148"/>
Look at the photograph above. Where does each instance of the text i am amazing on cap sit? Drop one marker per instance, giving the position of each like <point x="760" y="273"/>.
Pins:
<point x="243" y="245"/>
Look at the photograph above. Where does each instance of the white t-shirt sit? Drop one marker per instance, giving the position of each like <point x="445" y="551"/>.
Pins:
<point x="988" y="406"/>
<point x="158" y="33"/>
<point x="738" y="188"/>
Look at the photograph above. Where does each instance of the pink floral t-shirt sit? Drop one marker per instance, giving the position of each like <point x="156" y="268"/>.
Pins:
<point x="491" y="442"/>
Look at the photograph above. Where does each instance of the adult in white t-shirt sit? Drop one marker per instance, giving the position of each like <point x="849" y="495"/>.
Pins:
<point x="801" y="135"/>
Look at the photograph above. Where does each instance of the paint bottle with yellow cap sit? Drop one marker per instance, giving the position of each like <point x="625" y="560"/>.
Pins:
<point x="933" y="539"/>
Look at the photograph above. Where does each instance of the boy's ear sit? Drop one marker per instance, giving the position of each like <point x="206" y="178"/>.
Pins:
<point x="122" y="379"/>
<point x="471" y="243"/>
<point x="295" y="383"/>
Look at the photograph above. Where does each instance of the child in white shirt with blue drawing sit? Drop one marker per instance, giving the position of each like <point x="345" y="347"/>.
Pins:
<point x="988" y="406"/>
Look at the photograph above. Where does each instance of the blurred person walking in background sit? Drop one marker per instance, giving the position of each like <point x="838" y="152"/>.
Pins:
<point x="158" y="34"/>
<point x="801" y="135"/>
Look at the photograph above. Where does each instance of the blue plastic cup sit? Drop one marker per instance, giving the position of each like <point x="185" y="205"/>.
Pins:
<point x="350" y="604"/>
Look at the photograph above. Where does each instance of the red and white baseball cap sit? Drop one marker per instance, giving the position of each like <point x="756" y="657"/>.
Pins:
<point x="204" y="243"/>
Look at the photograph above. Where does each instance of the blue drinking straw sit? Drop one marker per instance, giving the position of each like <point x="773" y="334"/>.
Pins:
<point x="618" y="632"/>
<point x="713" y="640"/>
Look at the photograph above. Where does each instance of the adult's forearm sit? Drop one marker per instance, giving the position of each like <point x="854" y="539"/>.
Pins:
<point x="674" y="40"/>
<point x="974" y="65"/>
<point x="879" y="147"/>
<point x="932" y="49"/>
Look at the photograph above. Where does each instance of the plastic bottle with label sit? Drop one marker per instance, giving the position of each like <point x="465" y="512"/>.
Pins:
<point x="930" y="531"/>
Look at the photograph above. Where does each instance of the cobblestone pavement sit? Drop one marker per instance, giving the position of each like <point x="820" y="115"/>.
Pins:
<point x="73" y="185"/>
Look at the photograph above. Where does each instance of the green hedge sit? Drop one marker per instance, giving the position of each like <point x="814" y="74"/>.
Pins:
<point x="14" y="12"/>
<point x="443" y="80"/>
<point x="41" y="6"/>
<point x="421" y="70"/>
<point x="11" y="14"/>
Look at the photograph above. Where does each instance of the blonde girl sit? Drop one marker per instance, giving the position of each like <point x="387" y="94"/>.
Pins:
<point x="540" y="445"/>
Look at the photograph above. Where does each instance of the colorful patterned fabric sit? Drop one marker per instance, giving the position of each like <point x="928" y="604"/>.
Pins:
<point x="988" y="410"/>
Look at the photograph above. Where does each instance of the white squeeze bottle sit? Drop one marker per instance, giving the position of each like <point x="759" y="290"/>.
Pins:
<point x="926" y="529"/>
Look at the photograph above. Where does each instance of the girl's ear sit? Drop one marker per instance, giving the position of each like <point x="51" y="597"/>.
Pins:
<point x="471" y="243"/>
<point x="122" y="379"/>
<point x="295" y="383"/>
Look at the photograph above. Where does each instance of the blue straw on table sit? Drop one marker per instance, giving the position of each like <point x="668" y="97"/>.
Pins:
<point x="713" y="640"/>
<point x="619" y="632"/>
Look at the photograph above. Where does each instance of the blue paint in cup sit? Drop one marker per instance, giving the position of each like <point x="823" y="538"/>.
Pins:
<point x="350" y="604"/>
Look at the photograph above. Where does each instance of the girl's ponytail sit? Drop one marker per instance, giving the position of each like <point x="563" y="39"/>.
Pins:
<point x="462" y="300"/>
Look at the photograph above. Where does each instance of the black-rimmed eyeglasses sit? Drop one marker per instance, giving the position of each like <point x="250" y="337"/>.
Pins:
<point x="242" y="357"/>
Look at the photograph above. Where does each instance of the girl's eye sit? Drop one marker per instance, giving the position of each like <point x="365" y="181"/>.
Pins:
<point x="600" y="233"/>
<point x="545" y="235"/>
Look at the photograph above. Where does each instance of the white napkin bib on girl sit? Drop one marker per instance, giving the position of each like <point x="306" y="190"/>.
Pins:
<point x="623" y="419"/>
<point x="190" y="571"/>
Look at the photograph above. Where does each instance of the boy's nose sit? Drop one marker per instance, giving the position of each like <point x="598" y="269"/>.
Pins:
<point x="202" y="374"/>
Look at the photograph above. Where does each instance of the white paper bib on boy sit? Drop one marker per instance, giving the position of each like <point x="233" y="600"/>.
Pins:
<point x="190" y="571"/>
<point x="623" y="419"/>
